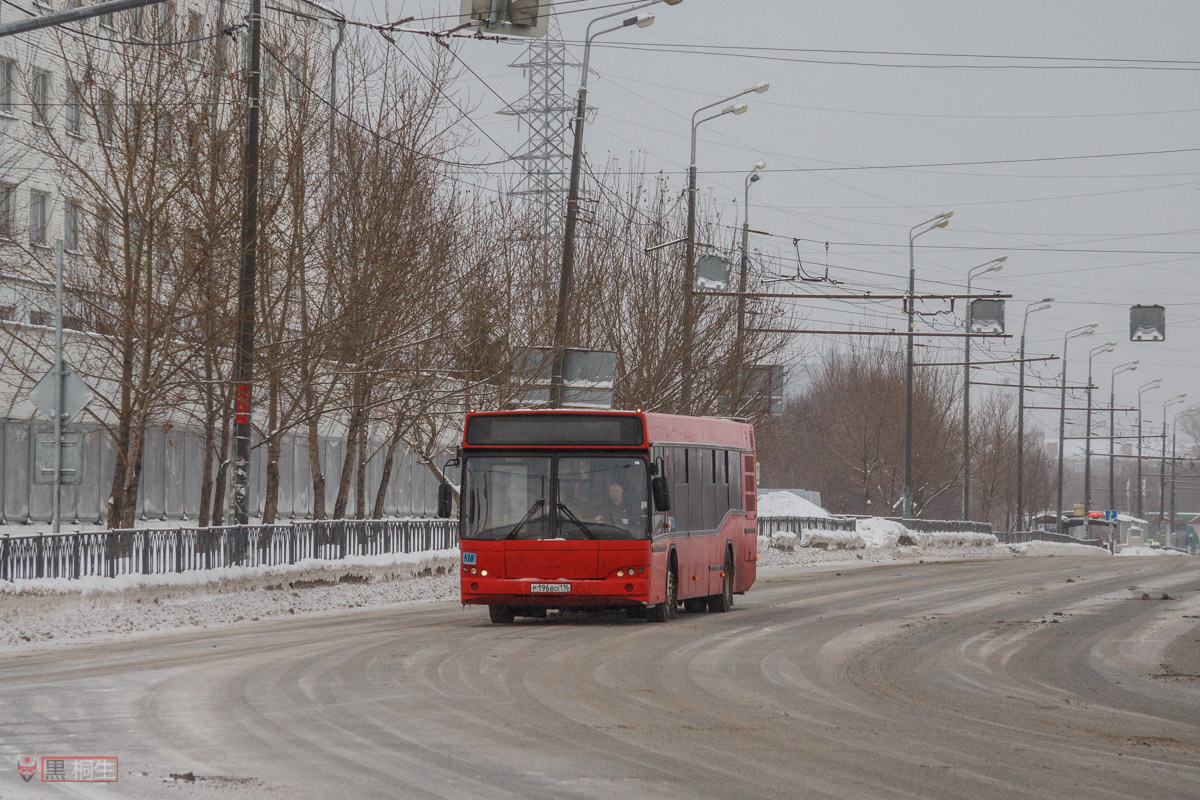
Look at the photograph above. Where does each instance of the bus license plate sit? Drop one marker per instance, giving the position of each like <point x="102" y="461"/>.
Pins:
<point x="537" y="588"/>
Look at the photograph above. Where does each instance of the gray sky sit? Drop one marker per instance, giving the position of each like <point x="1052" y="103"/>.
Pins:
<point x="1047" y="81"/>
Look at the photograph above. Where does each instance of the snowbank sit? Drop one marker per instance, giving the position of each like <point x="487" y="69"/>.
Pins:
<point x="1148" y="551"/>
<point x="786" y="504"/>
<point x="1055" y="549"/>
<point x="45" y="612"/>
<point x="879" y="532"/>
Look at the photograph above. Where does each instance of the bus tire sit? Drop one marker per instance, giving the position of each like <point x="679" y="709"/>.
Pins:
<point x="720" y="603"/>
<point x="502" y="615"/>
<point x="666" y="609"/>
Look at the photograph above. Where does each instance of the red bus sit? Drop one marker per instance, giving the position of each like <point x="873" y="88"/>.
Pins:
<point x="592" y="510"/>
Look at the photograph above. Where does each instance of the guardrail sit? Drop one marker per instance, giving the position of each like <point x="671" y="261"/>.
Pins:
<point x="1021" y="537"/>
<point x="170" y="551"/>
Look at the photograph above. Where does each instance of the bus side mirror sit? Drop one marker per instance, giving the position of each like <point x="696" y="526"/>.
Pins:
<point x="445" y="500"/>
<point x="662" y="495"/>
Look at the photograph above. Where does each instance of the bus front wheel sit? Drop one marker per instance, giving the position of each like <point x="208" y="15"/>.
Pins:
<point x="502" y="614"/>
<point x="666" y="609"/>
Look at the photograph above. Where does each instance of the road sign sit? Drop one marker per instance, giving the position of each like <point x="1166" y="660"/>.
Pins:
<point x="76" y="394"/>
<point x="1147" y="323"/>
<point x="72" y="459"/>
<point x="986" y="315"/>
<point x="507" y="17"/>
<point x="712" y="272"/>
<point x="1110" y="514"/>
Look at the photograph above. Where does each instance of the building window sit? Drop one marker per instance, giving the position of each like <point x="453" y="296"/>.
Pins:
<point x="166" y="21"/>
<point x="74" y="109"/>
<point x="104" y="117"/>
<point x="8" y="211"/>
<point x="41" y="96"/>
<point x="194" y="33"/>
<point x="6" y="86"/>
<point x="137" y="23"/>
<point x="72" y="220"/>
<point x="39" y="217"/>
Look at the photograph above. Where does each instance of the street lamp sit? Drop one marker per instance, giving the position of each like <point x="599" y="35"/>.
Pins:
<point x="568" y="260"/>
<point x="1041" y="305"/>
<point x="940" y="221"/>
<point x="1153" y="384"/>
<point x="1145" y="387"/>
<point x="689" y="267"/>
<point x="1112" y="427"/>
<point x="739" y="350"/>
<point x="1174" y="430"/>
<point x="1162" y="469"/>
<point x="995" y="265"/>
<point x="1107" y="347"/>
<point x="1074" y="333"/>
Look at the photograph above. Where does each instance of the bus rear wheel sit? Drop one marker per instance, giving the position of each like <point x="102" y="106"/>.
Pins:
<point x="502" y="614"/>
<point x="720" y="603"/>
<point x="666" y="609"/>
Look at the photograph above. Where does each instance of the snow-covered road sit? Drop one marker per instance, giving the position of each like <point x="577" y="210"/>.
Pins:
<point x="1002" y="677"/>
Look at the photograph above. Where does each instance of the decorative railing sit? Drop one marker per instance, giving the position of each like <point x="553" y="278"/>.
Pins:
<point x="169" y="551"/>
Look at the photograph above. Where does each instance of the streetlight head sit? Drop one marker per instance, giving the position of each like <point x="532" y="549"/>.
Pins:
<point x="1047" y="299"/>
<point x="672" y="2"/>
<point x="1002" y="259"/>
<point x="942" y="224"/>
<point x="1042" y="307"/>
<point x="1132" y="368"/>
<point x="760" y="165"/>
<point x="644" y="20"/>
<point x="1111" y="343"/>
<point x="759" y="87"/>
<point x="995" y="267"/>
<point x="947" y="214"/>
<point x="755" y="177"/>
<point x="736" y="108"/>
<point x="1093" y="325"/>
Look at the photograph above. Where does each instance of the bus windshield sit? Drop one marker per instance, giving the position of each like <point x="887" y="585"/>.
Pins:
<point x="560" y="497"/>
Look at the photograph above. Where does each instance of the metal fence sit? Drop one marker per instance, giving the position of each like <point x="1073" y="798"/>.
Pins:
<point x="770" y="525"/>
<point x="166" y="551"/>
<point x="1021" y="537"/>
<point x="943" y="525"/>
<point x="172" y="466"/>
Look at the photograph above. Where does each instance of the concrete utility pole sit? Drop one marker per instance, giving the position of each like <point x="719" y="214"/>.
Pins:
<point x="567" y="275"/>
<point x="243" y="367"/>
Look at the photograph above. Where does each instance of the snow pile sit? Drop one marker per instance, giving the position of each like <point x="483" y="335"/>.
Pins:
<point x="950" y="539"/>
<point x="41" y="613"/>
<point x="1148" y="551"/>
<point x="1054" y="549"/>
<point x="832" y="540"/>
<point x="783" y="540"/>
<point x="879" y="532"/>
<point x="786" y="504"/>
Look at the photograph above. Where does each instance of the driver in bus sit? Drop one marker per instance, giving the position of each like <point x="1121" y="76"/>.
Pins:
<point x="617" y="510"/>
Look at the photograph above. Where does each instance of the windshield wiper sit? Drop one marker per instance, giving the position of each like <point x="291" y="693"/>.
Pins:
<point x="571" y="516"/>
<point x="533" y="509"/>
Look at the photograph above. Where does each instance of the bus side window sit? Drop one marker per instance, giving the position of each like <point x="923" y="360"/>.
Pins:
<point x="681" y="490"/>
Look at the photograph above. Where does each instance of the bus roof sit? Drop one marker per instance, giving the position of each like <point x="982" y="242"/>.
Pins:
<point x="655" y="429"/>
